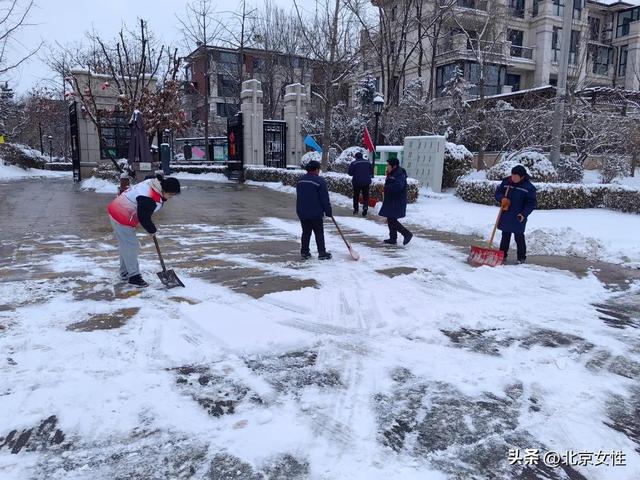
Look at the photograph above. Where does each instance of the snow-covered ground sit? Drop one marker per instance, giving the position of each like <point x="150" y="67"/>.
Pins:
<point x="99" y="185"/>
<point x="595" y="234"/>
<point x="408" y="364"/>
<point x="11" y="172"/>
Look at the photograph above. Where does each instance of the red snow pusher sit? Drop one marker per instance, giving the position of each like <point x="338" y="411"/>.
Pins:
<point x="488" y="255"/>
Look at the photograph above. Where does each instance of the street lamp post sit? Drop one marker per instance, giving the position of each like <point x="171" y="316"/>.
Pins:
<point x="40" y="131"/>
<point x="378" y="103"/>
<point x="50" y="148"/>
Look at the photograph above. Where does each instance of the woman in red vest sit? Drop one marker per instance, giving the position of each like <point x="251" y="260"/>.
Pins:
<point x="135" y="206"/>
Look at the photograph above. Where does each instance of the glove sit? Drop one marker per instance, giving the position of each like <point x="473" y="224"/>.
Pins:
<point x="505" y="203"/>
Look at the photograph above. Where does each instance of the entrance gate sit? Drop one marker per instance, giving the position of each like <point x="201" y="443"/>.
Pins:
<point x="275" y="143"/>
<point x="235" y="162"/>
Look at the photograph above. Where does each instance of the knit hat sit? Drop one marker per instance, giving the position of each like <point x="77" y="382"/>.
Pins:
<point x="170" y="185"/>
<point x="394" y="162"/>
<point x="520" y="171"/>
<point x="312" y="166"/>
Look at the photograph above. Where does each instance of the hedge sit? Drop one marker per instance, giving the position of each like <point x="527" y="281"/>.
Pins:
<point x="199" y="168"/>
<point x="560" y="195"/>
<point x="59" y="166"/>
<point x="336" y="182"/>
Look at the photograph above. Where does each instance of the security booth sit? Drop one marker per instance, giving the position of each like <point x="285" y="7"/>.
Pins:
<point x="384" y="153"/>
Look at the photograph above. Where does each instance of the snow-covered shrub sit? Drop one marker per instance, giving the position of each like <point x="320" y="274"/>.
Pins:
<point x="624" y="199"/>
<point x="348" y="155"/>
<point x="336" y="182"/>
<point x="549" y="195"/>
<point x="22" y="156"/>
<point x="569" y="170"/>
<point x="612" y="167"/>
<point x="199" y="168"/>
<point x="309" y="156"/>
<point x="457" y="163"/>
<point x="538" y="166"/>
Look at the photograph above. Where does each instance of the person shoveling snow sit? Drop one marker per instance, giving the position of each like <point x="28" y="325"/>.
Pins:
<point x="517" y="205"/>
<point x="135" y="206"/>
<point x="312" y="205"/>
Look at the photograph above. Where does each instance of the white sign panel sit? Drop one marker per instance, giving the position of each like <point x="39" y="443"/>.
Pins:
<point x="423" y="160"/>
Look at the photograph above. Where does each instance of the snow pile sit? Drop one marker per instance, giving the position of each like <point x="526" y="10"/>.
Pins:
<point x="99" y="185"/>
<point x="12" y="172"/>
<point x="209" y="177"/>
<point x="308" y="157"/>
<point x="348" y="155"/>
<point x="537" y="165"/>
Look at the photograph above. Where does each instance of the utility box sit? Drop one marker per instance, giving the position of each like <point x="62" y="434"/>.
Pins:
<point x="165" y="158"/>
<point x="424" y="160"/>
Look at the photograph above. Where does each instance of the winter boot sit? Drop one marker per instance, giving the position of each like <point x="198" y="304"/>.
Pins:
<point x="388" y="241"/>
<point x="138" y="281"/>
<point x="325" y="256"/>
<point x="407" y="238"/>
<point x="124" y="276"/>
<point x="364" y="212"/>
<point x="522" y="260"/>
<point x="355" y="211"/>
<point x="305" y="256"/>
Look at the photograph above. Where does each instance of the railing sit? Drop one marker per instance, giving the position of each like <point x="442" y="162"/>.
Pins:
<point x="474" y="4"/>
<point x="522" y="52"/>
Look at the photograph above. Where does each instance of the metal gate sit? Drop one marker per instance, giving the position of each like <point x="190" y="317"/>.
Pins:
<point x="75" y="141"/>
<point x="275" y="143"/>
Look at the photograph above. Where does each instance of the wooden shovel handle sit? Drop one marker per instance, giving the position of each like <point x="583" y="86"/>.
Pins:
<point x="155" y="240"/>
<point x="340" y="232"/>
<point x="495" y="227"/>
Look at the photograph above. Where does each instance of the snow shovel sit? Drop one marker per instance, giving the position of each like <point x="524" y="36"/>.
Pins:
<point x="487" y="255"/>
<point x="168" y="277"/>
<point x="352" y="253"/>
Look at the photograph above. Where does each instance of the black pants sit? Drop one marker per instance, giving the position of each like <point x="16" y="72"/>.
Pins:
<point x="394" y="227"/>
<point x="317" y="227"/>
<point x="364" y="190"/>
<point x="520" y="242"/>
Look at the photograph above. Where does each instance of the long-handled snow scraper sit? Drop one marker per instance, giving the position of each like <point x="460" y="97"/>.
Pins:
<point x="488" y="255"/>
<point x="352" y="253"/>
<point x="168" y="277"/>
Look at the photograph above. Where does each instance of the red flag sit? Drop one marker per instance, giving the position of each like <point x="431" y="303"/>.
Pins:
<point x="366" y="139"/>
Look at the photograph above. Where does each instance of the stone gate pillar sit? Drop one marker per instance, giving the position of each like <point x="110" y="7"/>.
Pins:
<point x="295" y="103"/>
<point x="252" y="122"/>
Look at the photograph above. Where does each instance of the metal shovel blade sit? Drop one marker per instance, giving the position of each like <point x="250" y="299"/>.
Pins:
<point x="169" y="279"/>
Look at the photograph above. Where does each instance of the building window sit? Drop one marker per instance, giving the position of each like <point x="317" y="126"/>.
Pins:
<point x="577" y="9"/>
<point x="594" y="29"/>
<point x="116" y="135"/>
<point x="601" y="60"/>
<point x="443" y="75"/>
<point x="229" y="57"/>
<point x="226" y="109"/>
<point x="536" y="4"/>
<point x="516" y="8"/>
<point x="622" y="60"/>
<point x="559" y="8"/>
<point x="226" y="86"/>
<point x="624" y="19"/>
<point x="555" y="44"/>
<point x="574" y="49"/>
<point x="493" y="78"/>
<point x="513" y="81"/>
<point x="258" y="65"/>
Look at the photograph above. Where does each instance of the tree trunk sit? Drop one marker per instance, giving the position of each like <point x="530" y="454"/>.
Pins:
<point x="329" y="97"/>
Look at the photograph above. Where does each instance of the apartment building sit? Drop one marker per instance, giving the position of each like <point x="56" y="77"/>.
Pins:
<point x="518" y="41"/>
<point x="223" y="79"/>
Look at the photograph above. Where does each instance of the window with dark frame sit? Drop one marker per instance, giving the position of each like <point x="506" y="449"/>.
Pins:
<point x="594" y="29"/>
<point x="622" y="60"/>
<point x="116" y="134"/>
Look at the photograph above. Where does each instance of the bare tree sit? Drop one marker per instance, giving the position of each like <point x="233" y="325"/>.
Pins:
<point x="200" y="30"/>
<point x="13" y="20"/>
<point x="330" y="34"/>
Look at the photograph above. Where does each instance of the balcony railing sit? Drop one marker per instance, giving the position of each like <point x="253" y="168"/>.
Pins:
<point x="474" y="4"/>
<point x="517" y="12"/>
<point x="522" y="52"/>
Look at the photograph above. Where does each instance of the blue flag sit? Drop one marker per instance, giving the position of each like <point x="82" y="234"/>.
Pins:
<point x="310" y="142"/>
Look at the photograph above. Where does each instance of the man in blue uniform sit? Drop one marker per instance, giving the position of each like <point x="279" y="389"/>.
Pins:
<point x="362" y="173"/>
<point x="312" y="205"/>
<point x="517" y="197"/>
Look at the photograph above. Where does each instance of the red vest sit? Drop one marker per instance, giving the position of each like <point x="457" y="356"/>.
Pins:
<point x="124" y="208"/>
